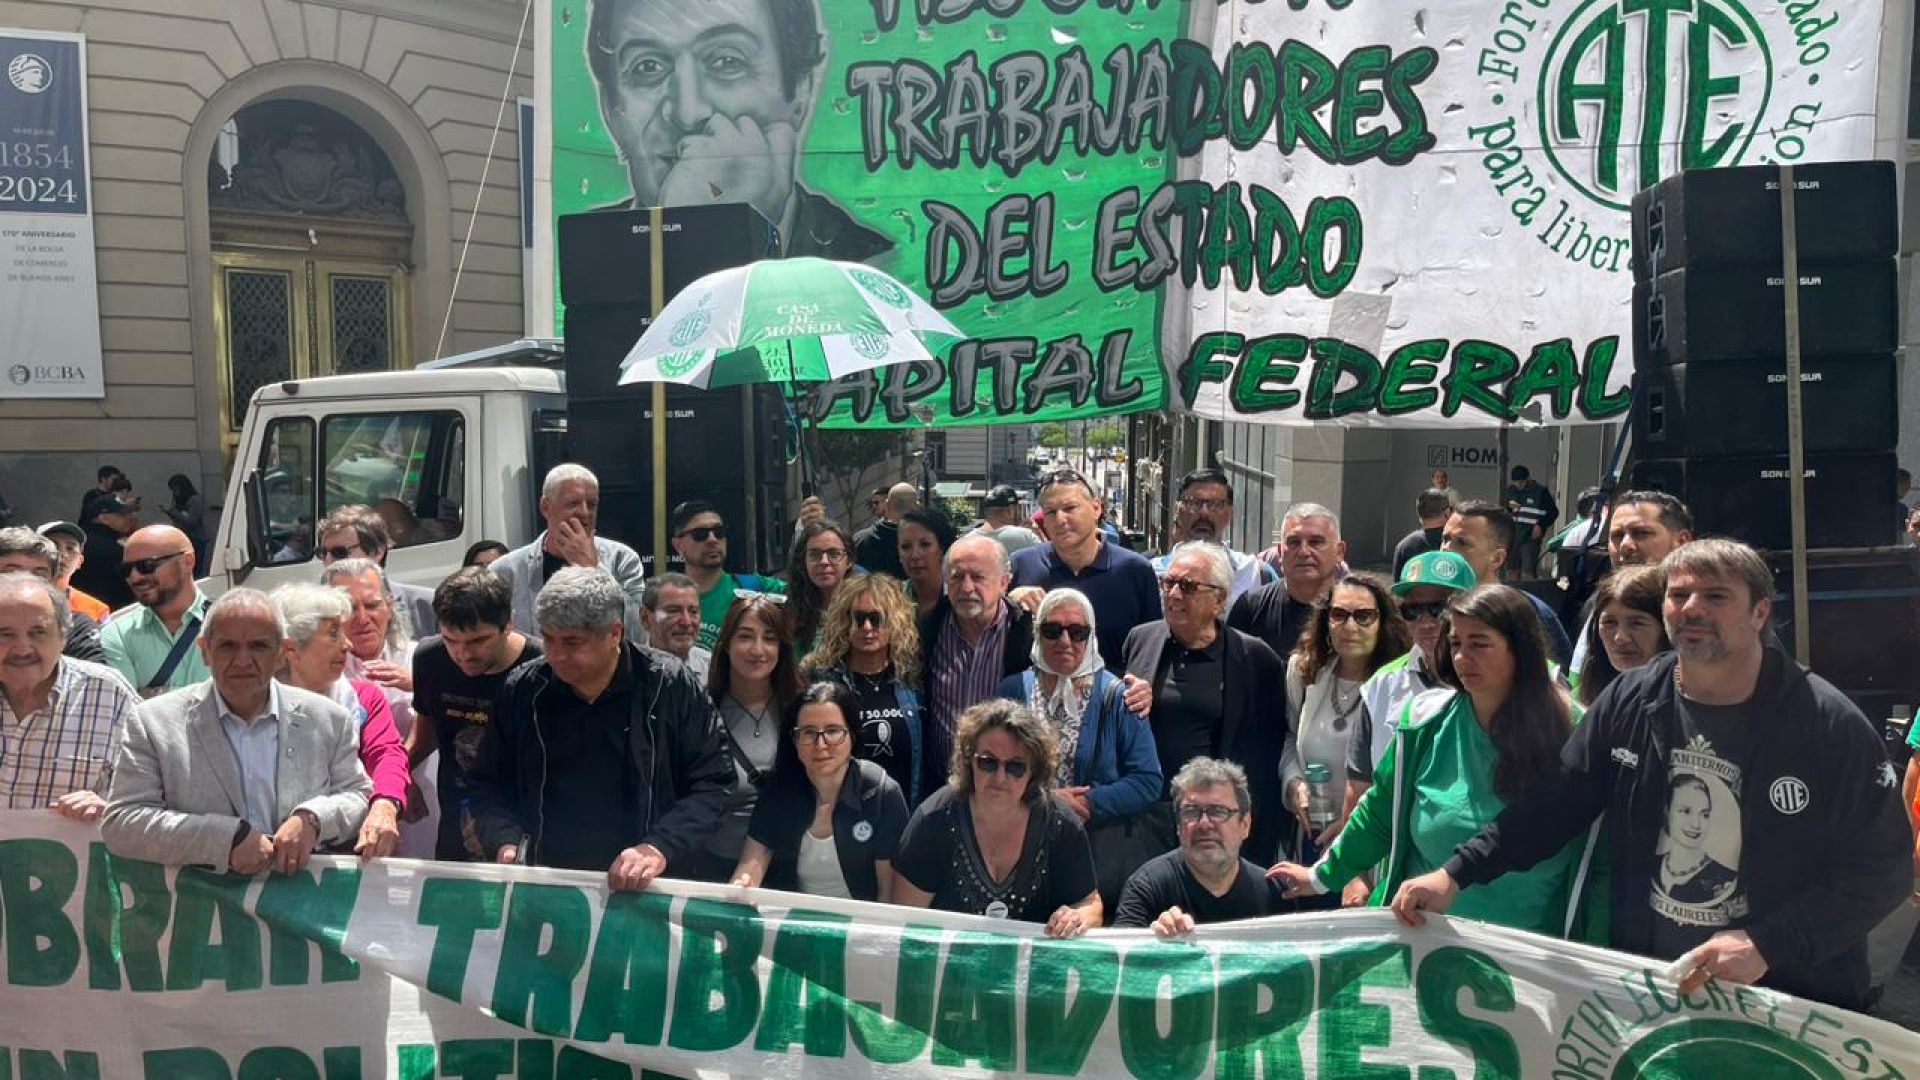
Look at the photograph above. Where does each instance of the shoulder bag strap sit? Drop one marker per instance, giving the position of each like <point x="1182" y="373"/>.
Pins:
<point x="176" y="654"/>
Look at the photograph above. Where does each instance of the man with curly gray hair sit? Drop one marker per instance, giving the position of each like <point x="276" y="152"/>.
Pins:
<point x="601" y="753"/>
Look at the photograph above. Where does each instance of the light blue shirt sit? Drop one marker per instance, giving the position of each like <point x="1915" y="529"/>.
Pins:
<point x="256" y="750"/>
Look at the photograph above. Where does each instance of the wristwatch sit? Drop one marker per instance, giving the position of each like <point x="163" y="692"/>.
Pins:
<point x="240" y="834"/>
<point x="312" y="819"/>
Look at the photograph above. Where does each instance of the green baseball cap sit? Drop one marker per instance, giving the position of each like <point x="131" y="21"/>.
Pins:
<point x="1446" y="569"/>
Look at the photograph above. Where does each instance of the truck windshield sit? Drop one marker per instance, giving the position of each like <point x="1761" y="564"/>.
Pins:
<point x="410" y="467"/>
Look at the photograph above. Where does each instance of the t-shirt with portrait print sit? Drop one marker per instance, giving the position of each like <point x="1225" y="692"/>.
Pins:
<point x="1695" y="887"/>
<point x="461" y="706"/>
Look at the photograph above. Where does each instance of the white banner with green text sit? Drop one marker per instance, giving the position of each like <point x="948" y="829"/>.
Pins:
<point x="415" y="970"/>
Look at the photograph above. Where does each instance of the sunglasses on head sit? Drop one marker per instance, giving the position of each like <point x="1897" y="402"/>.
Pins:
<point x="1360" y="616"/>
<point x="875" y="619"/>
<point x="1416" y="612"/>
<point x="146" y="566"/>
<point x="339" y="552"/>
<point x="1078" y="632"/>
<point x="704" y="533"/>
<point x="989" y="764"/>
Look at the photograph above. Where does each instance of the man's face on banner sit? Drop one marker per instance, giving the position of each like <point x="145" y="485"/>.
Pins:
<point x="697" y="105"/>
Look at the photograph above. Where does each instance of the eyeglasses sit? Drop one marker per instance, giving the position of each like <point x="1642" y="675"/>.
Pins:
<point x="831" y="736"/>
<point x="1416" y="612"/>
<point x="704" y="533"/>
<point x="147" y="566"/>
<point x="1191" y="813"/>
<point x="339" y="552"/>
<point x="1077" y="631"/>
<point x="989" y="764"/>
<point x="1205" y="506"/>
<point x="828" y="555"/>
<point x="1185" y="586"/>
<point x="1360" y="616"/>
<point x="875" y="619"/>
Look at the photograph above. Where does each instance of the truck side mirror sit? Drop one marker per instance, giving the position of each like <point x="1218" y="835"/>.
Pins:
<point x="253" y="491"/>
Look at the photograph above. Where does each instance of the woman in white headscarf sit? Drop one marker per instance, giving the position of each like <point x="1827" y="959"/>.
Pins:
<point x="1109" y="767"/>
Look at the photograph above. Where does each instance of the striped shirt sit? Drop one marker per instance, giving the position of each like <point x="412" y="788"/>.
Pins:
<point x="961" y="675"/>
<point x="67" y="745"/>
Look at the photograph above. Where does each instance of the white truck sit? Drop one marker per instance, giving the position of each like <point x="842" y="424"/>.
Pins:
<point x="450" y="454"/>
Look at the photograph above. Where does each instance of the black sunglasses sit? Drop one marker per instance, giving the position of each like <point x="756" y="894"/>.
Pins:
<point x="989" y="764"/>
<point x="1361" y="616"/>
<point x="344" y="551"/>
<point x="706" y="532"/>
<point x="875" y="619"/>
<point x="1078" y="632"/>
<point x="1416" y="612"/>
<point x="1186" y="586"/>
<point x="147" y="566"/>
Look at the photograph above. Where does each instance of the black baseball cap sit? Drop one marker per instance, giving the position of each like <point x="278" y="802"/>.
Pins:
<point x="1003" y="495"/>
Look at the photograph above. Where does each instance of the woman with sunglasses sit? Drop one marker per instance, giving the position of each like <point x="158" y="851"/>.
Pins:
<point x="925" y="536"/>
<point x="1627" y="628"/>
<point x="1351" y="634"/>
<point x="1459" y="754"/>
<point x="994" y="841"/>
<point x="821" y="559"/>
<point x="828" y="823"/>
<point x="1109" y="769"/>
<point x="753" y="682"/>
<point x="870" y="644"/>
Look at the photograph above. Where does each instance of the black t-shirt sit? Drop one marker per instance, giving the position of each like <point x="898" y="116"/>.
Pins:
<point x="939" y="854"/>
<point x="1188" y="700"/>
<point x="1417" y="542"/>
<point x="882" y="731"/>
<point x="592" y="815"/>
<point x="461" y="707"/>
<point x="1271" y="614"/>
<point x="1166" y="882"/>
<point x="1695" y="888"/>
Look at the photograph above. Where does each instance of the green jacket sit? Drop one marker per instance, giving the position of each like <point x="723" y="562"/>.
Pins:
<point x="1376" y="833"/>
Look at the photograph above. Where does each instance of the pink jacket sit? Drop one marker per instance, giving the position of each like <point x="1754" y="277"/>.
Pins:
<point x="381" y="753"/>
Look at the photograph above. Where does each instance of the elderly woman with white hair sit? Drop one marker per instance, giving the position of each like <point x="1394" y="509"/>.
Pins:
<point x="380" y="650"/>
<point x="314" y="658"/>
<point x="1108" y="767"/>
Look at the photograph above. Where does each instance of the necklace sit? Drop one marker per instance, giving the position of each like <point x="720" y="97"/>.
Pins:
<point x="759" y="717"/>
<point x="1344" y="709"/>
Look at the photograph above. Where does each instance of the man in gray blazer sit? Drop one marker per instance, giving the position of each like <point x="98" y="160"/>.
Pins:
<point x="241" y="773"/>
<point x="570" y="505"/>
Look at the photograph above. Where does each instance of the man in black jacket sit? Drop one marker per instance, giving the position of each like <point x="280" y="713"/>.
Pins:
<point x="1755" y="821"/>
<point x="601" y="753"/>
<point x="973" y="638"/>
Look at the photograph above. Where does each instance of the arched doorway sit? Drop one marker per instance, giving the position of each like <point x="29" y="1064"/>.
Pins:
<point x="312" y="252"/>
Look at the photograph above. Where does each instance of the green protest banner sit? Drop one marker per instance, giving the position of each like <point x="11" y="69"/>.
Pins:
<point x="410" y="970"/>
<point x="1393" y="214"/>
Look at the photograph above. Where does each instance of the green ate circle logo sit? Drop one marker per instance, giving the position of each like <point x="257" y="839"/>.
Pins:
<point x="870" y="346"/>
<point x="1700" y="1048"/>
<point x="690" y="327"/>
<point x="1631" y="91"/>
<point x="883" y="287"/>
<point x="674" y="365"/>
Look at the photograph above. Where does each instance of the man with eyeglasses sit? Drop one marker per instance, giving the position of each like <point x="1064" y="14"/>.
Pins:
<point x="358" y="532"/>
<point x="700" y="539"/>
<point x="1312" y="560"/>
<point x="152" y="644"/>
<point x="570" y="505"/>
<point x="1204" y="880"/>
<point x="1119" y="583"/>
<point x="672" y="604"/>
<point x="24" y="551"/>
<point x="1213" y="691"/>
<point x="1206" y="513"/>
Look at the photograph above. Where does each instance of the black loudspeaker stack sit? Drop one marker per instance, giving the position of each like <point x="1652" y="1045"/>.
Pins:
<point x="1709" y="313"/>
<point x="727" y="445"/>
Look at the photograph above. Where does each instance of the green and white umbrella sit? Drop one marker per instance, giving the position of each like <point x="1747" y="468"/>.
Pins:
<point x="786" y="321"/>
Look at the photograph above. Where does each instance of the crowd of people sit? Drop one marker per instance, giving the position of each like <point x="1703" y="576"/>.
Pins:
<point x="1034" y="724"/>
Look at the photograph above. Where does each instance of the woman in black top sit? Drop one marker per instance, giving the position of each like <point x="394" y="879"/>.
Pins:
<point x="869" y="642"/>
<point x="828" y="824"/>
<point x="995" y="841"/>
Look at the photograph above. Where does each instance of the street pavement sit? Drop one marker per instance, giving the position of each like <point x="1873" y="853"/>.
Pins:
<point x="1901" y="1001"/>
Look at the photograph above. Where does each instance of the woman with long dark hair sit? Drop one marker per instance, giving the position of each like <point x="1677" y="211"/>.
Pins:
<point x="828" y="823"/>
<point x="1459" y="754"/>
<point x="925" y="537"/>
<point x="821" y="559"/>
<point x="868" y="642"/>
<point x="754" y="682"/>
<point x="1626" y="630"/>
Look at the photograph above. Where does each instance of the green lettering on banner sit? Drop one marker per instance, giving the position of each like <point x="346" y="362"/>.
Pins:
<point x="1183" y="976"/>
<point x="1417" y="362"/>
<point x="900" y="1039"/>
<point x="36" y="879"/>
<point x="277" y="1063"/>
<point x="192" y="957"/>
<point x="577" y="1064"/>
<point x="477" y="1059"/>
<point x="1277" y="358"/>
<point x="1551" y="369"/>
<point x="1252" y="1042"/>
<point x="458" y="909"/>
<point x="1594" y="399"/>
<point x="121" y="934"/>
<point x="806" y="993"/>
<point x="200" y="1063"/>
<point x="627" y="980"/>
<point x="974" y="1019"/>
<point x="1349" y="1026"/>
<point x="545" y="979"/>
<point x="341" y="1062"/>
<point x="1204" y="363"/>
<point x="413" y="1061"/>
<point x="1478" y="366"/>
<point x="1443" y="974"/>
<point x="719" y="944"/>
<point x="300" y="912"/>
<point x="43" y="1065"/>
<point x="535" y="1056"/>
<point x="1333" y="360"/>
<point x="1059" y="1033"/>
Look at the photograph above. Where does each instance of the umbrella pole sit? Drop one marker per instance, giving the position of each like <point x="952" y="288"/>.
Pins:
<point x="657" y="249"/>
<point x="808" y="488"/>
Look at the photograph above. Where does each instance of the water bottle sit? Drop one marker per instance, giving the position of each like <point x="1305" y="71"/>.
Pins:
<point x="1322" y="804"/>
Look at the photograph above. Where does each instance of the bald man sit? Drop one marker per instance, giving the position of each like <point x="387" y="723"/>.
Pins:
<point x="151" y="643"/>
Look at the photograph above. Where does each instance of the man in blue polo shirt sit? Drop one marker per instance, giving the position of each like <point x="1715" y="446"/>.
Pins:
<point x="1120" y="583"/>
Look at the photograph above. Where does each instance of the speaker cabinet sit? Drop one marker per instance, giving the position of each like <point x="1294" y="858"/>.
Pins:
<point x="1865" y="612"/>
<point x="1849" y="497"/>
<point x="1705" y="314"/>
<point x="606" y="256"/>
<point x="1843" y="210"/>
<point x="1740" y="407"/>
